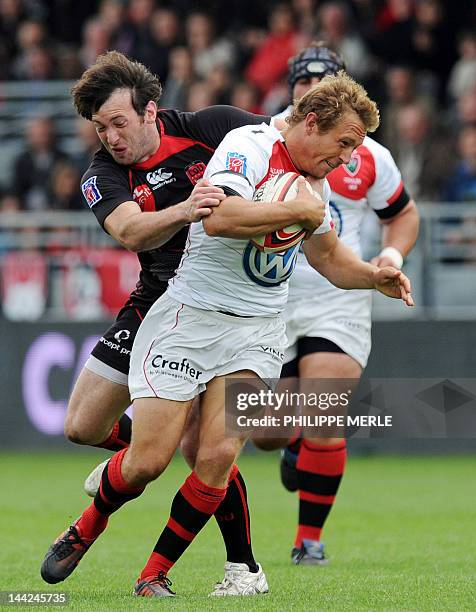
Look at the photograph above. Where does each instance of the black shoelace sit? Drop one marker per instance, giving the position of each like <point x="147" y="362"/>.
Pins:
<point x="65" y="547"/>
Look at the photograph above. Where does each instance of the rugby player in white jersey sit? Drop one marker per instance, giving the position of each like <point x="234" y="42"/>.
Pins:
<point x="329" y="329"/>
<point x="221" y="316"/>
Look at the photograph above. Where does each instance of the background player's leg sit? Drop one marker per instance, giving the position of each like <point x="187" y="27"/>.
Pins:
<point x="321" y="461"/>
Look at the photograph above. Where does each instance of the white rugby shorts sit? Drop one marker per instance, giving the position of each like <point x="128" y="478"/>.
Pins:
<point x="179" y="349"/>
<point x="344" y="319"/>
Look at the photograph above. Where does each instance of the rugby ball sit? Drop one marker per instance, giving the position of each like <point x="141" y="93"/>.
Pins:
<point x="280" y="188"/>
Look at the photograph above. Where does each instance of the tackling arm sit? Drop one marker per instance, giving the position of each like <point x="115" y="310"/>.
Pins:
<point x="142" y="231"/>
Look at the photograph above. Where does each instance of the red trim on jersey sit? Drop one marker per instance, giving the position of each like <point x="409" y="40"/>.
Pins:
<point x="279" y="160"/>
<point x="354" y="185"/>
<point x="396" y="195"/>
<point x="130" y="181"/>
<point x="169" y="145"/>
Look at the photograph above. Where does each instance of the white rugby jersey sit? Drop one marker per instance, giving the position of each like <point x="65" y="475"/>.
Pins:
<point x="371" y="178"/>
<point x="229" y="274"/>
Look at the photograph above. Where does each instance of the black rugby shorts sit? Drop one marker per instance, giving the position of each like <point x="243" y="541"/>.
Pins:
<point x="114" y="347"/>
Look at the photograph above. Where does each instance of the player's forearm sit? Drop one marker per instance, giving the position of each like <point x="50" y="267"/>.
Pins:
<point x="240" y="218"/>
<point x="143" y="231"/>
<point x="341" y="266"/>
<point x="402" y="231"/>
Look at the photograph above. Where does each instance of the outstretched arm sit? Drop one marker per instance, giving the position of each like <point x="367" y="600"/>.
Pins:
<point x="341" y="266"/>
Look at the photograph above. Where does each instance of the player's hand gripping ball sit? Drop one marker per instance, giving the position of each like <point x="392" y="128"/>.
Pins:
<point x="280" y="188"/>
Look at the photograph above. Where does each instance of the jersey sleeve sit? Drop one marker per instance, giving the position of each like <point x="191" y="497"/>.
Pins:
<point x="238" y="164"/>
<point x="105" y="186"/>
<point x="387" y="196"/>
<point x="327" y="225"/>
<point x="210" y="125"/>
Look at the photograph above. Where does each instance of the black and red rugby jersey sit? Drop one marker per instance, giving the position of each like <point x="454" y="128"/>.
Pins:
<point x="188" y="141"/>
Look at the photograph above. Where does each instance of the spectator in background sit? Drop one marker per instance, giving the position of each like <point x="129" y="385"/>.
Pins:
<point x="270" y="62"/>
<point x="461" y="186"/>
<point x="199" y="96"/>
<point x="164" y="32"/>
<point x="30" y="35"/>
<point x="133" y="37"/>
<point x="64" y="192"/>
<point x="68" y="63"/>
<point x="89" y="143"/>
<point x="335" y="26"/>
<point x="464" y="112"/>
<point x="207" y="50"/>
<point x="95" y="41"/>
<point x="11" y="15"/>
<point x="401" y="91"/>
<point x="38" y="65"/>
<point x="219" y="82"/>
<point x="433" y="45"/>
<point x="463" y="72"/>
<point x="9" y="202"/>
<point x="33" y="167"/>
<point x="112" y="15"/>
<point x="305" y="12"/>
<point x="245" y="95"/>
<point x="180" y="78"/>
<point x="421" y="152"/>
<point x="392" y="40"/>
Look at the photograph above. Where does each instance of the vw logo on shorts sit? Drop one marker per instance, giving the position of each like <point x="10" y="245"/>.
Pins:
<point x="336" y="217"/>
<point x="269" y="269"/>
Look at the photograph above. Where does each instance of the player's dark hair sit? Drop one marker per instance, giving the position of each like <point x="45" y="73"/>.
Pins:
<point x="112" y="71"/>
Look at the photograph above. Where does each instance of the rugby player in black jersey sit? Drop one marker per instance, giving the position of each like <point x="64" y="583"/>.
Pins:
<point x="144" y="186"/>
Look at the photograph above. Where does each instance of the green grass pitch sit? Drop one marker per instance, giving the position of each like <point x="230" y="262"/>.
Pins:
<point x="401" y="537"/>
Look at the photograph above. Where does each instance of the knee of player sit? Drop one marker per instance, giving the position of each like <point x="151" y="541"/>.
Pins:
<point x="74" y="433"/>
<point x="221" y="454"/>
<point x="144" y="469"/>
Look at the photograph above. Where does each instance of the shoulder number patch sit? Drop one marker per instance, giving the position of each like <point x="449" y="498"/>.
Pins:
<point x="91" y="191"/>
<point x="236" y="162"/>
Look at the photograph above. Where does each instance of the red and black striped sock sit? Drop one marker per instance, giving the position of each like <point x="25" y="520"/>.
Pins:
<point x="320" y="469"/>
<point x="193" y="505"/>
<point x="120" y="436"/>
<point x="113" y="493"/>
<point x="233" y="519"/>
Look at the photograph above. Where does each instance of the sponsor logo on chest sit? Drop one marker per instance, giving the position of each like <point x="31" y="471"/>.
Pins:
<point x="160" y="177"/>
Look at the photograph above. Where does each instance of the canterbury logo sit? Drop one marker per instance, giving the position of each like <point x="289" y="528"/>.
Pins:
<point x="158" y="176"/>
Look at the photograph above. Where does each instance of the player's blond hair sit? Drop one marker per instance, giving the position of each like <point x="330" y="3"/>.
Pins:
<point x="331" y="98"/>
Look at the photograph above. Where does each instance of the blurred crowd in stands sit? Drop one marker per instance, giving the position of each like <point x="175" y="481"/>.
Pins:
<point x="417" y="58"/>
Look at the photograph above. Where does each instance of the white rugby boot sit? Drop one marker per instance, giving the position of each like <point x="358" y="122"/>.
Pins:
<point x="92" y="482"/>
<point x="239" y="580"/>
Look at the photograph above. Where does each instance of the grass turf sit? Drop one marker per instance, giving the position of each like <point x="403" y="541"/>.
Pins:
<point x="401" y="537"/>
